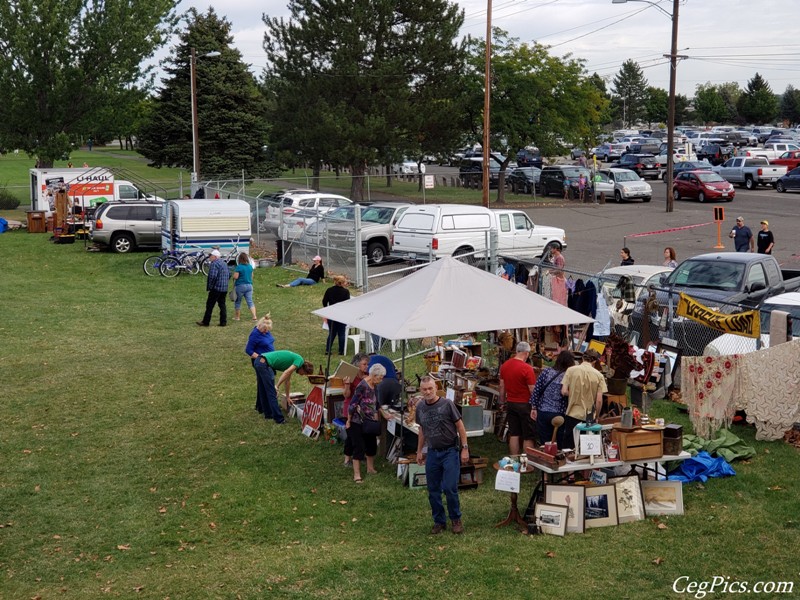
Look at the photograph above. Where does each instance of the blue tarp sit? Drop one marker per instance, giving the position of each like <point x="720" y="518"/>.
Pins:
<point x="701" y="467"/>
<point x="3" y="225"/>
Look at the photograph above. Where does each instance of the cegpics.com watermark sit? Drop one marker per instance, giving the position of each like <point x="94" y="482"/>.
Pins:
<point x="727" y="585"/>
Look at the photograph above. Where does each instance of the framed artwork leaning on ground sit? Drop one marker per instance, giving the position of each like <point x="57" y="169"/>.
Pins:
<point x="552" y="518"/>
<point x="601" y="506"/>
<point x="662" y="497"/>
<point x="571" y="496"/>
<point x="630" y="500"/>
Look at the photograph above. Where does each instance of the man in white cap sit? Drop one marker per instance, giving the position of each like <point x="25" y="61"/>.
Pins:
<point x="217" y="286"/>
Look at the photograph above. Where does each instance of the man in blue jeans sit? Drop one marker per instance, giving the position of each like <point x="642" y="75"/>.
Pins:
<point x="440" y="425"/>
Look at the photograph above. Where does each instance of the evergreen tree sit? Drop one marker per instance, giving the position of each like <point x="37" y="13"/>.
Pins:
<point x="758" y="104"/>
<point x="790" y="105"/>
<point x="630" y="93"/>
<point x="63" y="63"/>
<point x="360" y="82"/>
<point x="231" y="111"/>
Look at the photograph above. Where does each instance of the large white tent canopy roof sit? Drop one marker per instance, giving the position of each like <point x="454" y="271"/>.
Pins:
<point x="449" y="297"/>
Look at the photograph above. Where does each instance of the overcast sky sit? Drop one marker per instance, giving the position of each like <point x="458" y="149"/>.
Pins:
<point x="724" y="40"/>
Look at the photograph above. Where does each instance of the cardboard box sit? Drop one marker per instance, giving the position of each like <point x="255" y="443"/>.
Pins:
<point x="639" y="445"/>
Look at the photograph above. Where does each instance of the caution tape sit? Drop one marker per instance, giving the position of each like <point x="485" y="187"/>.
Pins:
<point x="668" y="230"/>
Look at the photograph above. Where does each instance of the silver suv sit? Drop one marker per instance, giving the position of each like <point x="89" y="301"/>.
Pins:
<point x="124" y="226"/>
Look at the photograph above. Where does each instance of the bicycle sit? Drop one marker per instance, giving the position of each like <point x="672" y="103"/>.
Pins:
<point x="152" y="264"/>
<point x="229" y="258"/>
<point x="189" y="262"/>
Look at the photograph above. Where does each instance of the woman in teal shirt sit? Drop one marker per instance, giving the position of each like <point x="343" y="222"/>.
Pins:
<point x="243" y="286"/>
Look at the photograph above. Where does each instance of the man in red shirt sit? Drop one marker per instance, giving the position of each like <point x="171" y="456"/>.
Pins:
<point x="517" y="379"/>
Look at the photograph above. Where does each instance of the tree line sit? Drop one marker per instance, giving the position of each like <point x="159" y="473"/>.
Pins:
<point x="348" y="84"/>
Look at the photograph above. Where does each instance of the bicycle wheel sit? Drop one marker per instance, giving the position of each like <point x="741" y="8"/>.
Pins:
<point x="152" y="264"/>
<point x="191" y="264"/>
<point x="205" y="265"/>
<point x="171" y="267"/>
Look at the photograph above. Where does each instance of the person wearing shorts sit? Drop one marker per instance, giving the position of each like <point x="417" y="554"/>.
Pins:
<point x="517" y="379"/>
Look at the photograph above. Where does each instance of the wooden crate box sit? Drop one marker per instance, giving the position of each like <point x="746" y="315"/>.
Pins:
<point x="638" y="445"/>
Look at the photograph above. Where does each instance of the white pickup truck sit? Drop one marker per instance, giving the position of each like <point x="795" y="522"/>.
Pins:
<point x="749" y="172"/>
<point x="770" y="151"/>
<point x="434" y="231"/>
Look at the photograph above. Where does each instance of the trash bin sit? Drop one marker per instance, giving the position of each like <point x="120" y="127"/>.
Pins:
<point x="36" y="221"/>
<point x="284" y="252"/>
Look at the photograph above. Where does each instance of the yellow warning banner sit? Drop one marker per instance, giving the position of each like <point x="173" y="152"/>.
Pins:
<point x="744" y="323"/>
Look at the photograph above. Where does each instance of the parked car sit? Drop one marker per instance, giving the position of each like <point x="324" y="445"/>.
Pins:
<point x="529" y="157"/>
<point x="408" y="167"/>
<point x="126" y="225"/>
<point x="644" y="165"/>
<point x="730" y="343"/>
<point x="440" y="230"/>
<point x="640" y="275"/>
<point x="551" y="179"/>
<point x="649" y="147"/>
<point x="294" y="225"/>
<point x="790" y="160"/>
<point x="576" y="153"/>
<point x="715" y="153"/>
<point x="524" y="179"/>
<point x="337" y="229"/>
<point x="750" y="172"/>
<point x="610" y="151"/>
<point x="626" y="185"/>
<point x="790" y="181"/>
<point x="702" y="186"/>
<point x="772" y="149"/>
<point x="687" y="165"/>
<point x="470" y="170"/>
<point x="722" y="281"/>
<point x="290" y="202"/>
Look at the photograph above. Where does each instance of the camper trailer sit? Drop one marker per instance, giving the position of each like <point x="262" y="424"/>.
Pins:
<point x="207" y="224"/>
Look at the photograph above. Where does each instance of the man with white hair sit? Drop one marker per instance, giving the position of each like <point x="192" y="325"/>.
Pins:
<point x="517" y="379"/>
<point x="217" y="286"/>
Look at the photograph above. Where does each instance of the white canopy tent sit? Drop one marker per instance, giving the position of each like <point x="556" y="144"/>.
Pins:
<point x="449" y="297"/>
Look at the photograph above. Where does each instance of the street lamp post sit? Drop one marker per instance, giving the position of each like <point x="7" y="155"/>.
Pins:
<point x="673" y="67"/>
<point x="195" y="127"/>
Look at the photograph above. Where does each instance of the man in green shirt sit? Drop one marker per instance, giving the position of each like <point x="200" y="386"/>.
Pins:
<point x="279" y="360"/>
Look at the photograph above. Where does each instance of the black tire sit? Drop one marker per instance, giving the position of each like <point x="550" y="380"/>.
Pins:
<point x="605" y="158"/>
<point x="376" y="253"/>
<point x="151" y="265"/>
<point x="205" y="265"/>
<point x="645" y="200"/>
<point x="701" y="197"/>
<point x="676" y="195"/>
<point x="122" y="243"/>
<point x="548" y="251"/>
<point x="465" y="255"/>
<point x="750" y="183"/>
<point x="617" y="197"/>
<point x="171" y="267"/>
<point x="780" y="187"/>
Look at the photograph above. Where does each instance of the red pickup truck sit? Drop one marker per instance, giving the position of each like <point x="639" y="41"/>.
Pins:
<point x="790" y="160"/>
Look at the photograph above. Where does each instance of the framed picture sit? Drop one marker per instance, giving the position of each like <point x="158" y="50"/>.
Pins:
<point x="672" y="353"/>
<point x="571" y="496"/>
<point x="552" y="518"/>
<point x="601" y="506"/>
<point x="662" y="497"/>
<point x="600" y="347"/>
<point x="630" y="501"/>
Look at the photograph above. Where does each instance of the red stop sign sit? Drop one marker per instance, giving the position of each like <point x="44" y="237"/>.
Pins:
<point x="312" y="411"/>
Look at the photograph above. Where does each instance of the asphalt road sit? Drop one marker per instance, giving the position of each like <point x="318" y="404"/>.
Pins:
<point x="595" y="233"/>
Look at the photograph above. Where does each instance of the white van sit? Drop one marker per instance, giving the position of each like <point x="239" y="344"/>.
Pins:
<point x="206" y="224"/>
<point x="440" y="230"/>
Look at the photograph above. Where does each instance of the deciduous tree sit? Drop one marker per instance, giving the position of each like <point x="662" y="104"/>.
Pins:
<point x="61" y="64"/>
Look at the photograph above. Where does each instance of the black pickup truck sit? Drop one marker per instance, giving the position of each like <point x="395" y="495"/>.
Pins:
<point x="726" y="282"/>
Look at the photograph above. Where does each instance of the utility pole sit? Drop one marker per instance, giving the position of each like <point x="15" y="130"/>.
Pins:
<point x="487" y="94"/>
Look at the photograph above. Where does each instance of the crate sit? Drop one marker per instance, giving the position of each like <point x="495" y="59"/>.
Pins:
<point x="640" y="444"/>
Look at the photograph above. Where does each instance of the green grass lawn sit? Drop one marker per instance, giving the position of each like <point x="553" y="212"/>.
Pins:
<point x="133" y="464"/>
